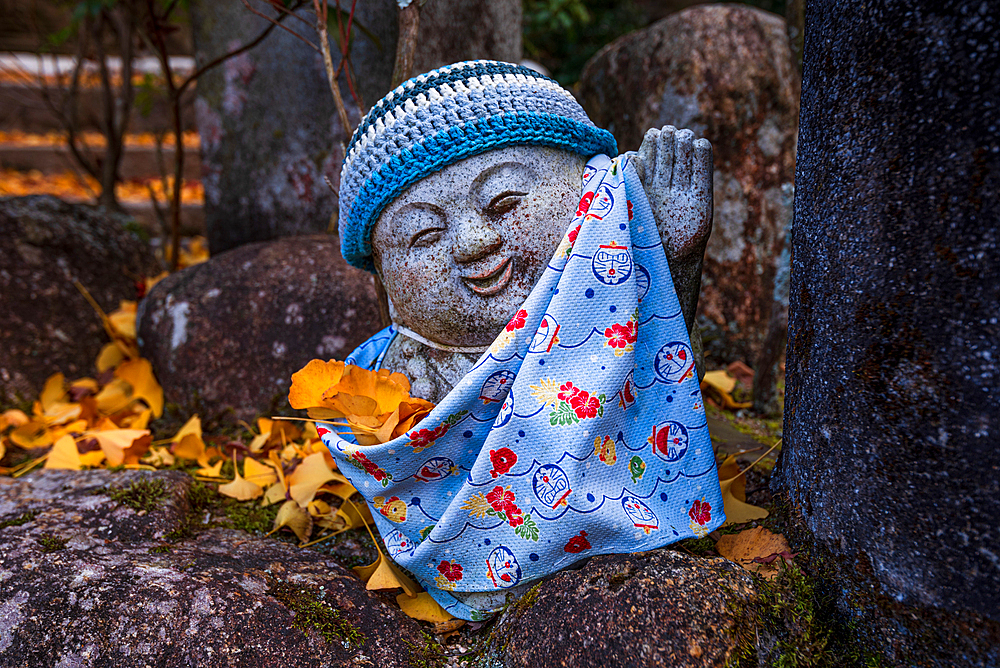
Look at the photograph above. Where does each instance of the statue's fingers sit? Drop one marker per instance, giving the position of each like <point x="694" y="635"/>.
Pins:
<point x="665" y="155"/>
<point x="645" y="162"/>
<point x="701" y="179"/>
<point x="684" y="151"/>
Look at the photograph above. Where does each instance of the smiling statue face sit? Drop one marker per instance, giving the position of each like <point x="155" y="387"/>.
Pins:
<point x="460" y="250"/>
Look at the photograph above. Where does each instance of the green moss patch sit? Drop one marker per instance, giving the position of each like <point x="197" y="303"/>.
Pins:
<point x="315" y="614"/>
<point x="141" y="495"/>
<point x="50" y="543"/>
<point x="23" y="518"/>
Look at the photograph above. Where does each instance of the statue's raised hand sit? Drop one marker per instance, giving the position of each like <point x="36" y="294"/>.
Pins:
<point x="676" y="173"/>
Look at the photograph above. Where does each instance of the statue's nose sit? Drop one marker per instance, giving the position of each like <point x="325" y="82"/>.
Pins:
<point x="475" y="240"/>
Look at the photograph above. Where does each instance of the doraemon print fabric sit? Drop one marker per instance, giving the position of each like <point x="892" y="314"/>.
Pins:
<point x="581" y="431"/>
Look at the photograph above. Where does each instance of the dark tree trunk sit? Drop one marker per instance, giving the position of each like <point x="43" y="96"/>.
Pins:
<point x="892" y="414"/>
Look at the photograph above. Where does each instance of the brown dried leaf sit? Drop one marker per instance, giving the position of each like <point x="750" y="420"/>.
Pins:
<point x="749" y="547"/>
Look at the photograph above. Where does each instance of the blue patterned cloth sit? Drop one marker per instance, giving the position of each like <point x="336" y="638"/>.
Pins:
<point x="581" y="431"/>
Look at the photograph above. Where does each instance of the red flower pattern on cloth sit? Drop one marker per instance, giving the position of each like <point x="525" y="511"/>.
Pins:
<point x="517" y="322"/>
<point x="424" y="438"/>
<point x="618" y="335"/>
<point x="701" y="512"/>
<point x="584" y="205"/>
<point x="502" y="459"/>
<point x="585" y="405"/>
<point x="573" y="234"/>
<point x="500" y="498"/>
<point x="451" y="570"/>
<point x="370" y="467"/>
<point x="629" y="208"/>
<point x="631" y="331"/>
<point x="567" y="391"/>
<point x="577" y="543"/>
<point x="514" y="517"/>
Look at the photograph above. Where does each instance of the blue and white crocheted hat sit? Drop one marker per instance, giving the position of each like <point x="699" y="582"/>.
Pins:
<point x="444" y="116"/>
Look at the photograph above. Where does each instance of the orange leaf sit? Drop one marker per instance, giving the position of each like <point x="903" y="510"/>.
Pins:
<point x="122" y="446"/>
<point x="423" y="607"/>
<point x="111" y="355"/>
<point x="33" y="434"/>
<point x="295" y="518"/>
<point x="257" y="473"/>
<point x="139" y="374"/>
<point x="309" y="384"/>
<point x="750" y="544"/>
<point x="308" y="477"/>
<point x="240" y="488"/>
<point x="64" y="455"/>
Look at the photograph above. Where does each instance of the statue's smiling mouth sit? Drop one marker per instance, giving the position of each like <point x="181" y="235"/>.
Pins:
<point x="492" y="281"/>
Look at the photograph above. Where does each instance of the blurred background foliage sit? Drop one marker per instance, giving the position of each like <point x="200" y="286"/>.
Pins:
<point x="559" y="34"/>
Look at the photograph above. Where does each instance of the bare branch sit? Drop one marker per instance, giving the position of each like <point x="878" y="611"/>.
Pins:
<point x="283" y="27"/>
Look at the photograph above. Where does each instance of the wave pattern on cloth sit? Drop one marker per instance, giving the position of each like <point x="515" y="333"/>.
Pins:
<point x="581" y="431"/>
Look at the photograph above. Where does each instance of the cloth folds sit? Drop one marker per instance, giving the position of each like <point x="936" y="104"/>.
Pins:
<point x="581" y="431"/>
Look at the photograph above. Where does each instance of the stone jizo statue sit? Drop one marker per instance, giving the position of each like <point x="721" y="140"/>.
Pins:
<point x="542" y="293"/>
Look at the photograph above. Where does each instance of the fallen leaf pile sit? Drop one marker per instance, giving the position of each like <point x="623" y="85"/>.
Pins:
<point x="91" y="422"/>
<point x="72" y="187"/>
<point x="376" y="405"/>
<point x="94" y="139"/>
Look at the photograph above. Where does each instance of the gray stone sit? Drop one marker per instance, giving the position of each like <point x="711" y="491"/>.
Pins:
<point x="230" y="332"/>
<point x="660" y="608"/>
<point x="892" y="414"/>
<point x="87" y="581"/>
<point x="270" y="134"/>
<point x="48" y="326"/>
<point x="726" y="72"/>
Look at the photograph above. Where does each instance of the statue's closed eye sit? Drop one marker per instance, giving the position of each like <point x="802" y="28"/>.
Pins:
<point x="504" y="202"/>
<point x="426" y="237"/>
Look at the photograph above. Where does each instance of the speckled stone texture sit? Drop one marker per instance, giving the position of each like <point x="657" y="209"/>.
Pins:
<point x="660" y="608"/>
<point x="230" y="332"/>
<point x="269" y="129"/>
<point x="726" y="72"/>
<point x="48" y="326"/>
<point x="892" y="415"/>
<point x="101" y="595"/>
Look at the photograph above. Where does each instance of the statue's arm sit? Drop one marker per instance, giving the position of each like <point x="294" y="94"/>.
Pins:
<point x="676" y="173"/>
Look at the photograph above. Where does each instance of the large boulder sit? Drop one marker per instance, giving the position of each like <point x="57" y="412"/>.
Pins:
<point x="229" y="333"/>
<point x="629" y="610"/>
<point x="727" y="73"/>
<point x="270" y="134"/>
<point x="892" y="415"/>
<point x="87" y="580"/>
<point x="48" y="246"/>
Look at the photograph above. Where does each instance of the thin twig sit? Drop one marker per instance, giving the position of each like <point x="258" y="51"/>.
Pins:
<point x="283" y="27"/>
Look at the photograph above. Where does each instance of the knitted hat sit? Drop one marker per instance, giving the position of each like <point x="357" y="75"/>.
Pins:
<point x="439" y="118"/>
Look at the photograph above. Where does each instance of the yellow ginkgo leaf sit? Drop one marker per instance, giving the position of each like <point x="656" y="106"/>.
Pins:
<point x="159" y="457"/>
<point x="139" y="420"/>
<point x="258" y="442"/>
<point x="308" y="477"/>
<point x="738" y="512"/>
<point x="85" y="384"/>
<point x="292" y="516"/>
<point x="12" y="418"/>
<point x="139" y="374"/>
<point x="241" y="489"/>
<point x="214" y="471"/>
<point x="114" y="397"/>
<point x="343" y="490"/>
<point x="62" y="412"/>
<point x="318" y="508"/>
<point x="77" y="427"/>
<point x="423" y="607"/>
<point x="386" y="575"/>
<point x="122" y="321"/>
<point x="356" y="515"/>
<point x="257" y="473"/>
<point x="122" y="446"/>
<point x="720" y="380"/>
<point x="111" y="355"/>
<point x="53" y="392"/>
<point x="192" y="426"/>
<point x="92" y="459"/>
<point x="32" y="434"/>
<point x="64" y="455"/>
<point x="728" y="469"/>
<point x="312" y="381"/>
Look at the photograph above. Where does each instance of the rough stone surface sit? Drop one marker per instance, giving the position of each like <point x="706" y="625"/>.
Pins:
<point x="231" y="331"/>
<point x="725" y="72"/>
<point x="270" y="133"/>
<point x="659" y="608"/>
<point x="455" y="30"/>
<point x="89" y="582"/>
<point x="47" y="324"/>
<point x="892" y="413"/>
